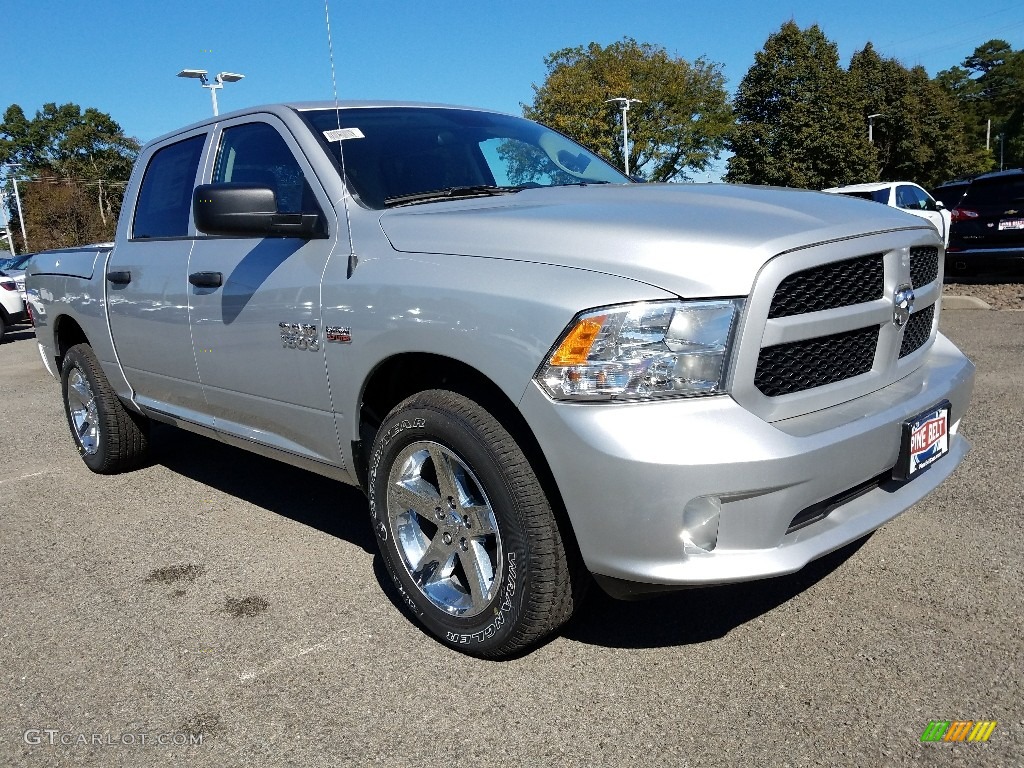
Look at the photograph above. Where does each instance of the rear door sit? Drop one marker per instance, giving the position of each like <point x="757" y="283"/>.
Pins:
<point x="257" y="336"/>
<point x="147" y="288"/>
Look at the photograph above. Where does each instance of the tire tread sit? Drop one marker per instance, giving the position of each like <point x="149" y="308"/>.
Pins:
<point x="124" y="439"/>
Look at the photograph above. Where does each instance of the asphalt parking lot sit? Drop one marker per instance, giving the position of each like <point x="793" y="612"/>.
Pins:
<point x="218" y="609"/>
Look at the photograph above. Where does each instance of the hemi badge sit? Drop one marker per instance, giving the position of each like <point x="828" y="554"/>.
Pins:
<point x="338" y="334"/>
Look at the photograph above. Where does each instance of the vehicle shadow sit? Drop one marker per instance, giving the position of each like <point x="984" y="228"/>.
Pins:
<point x="18" y="333"/>
<point x="676" y="618"/>
<point x="693" y="615"/>
<point x="327" y="505"/>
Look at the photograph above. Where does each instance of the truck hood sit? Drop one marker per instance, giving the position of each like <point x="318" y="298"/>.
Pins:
<point x="694" y="240"/>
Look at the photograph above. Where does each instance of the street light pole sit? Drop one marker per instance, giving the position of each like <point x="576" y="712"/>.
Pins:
<point x="871" y="126"/>
<point x="219" y="80"/>
<point x="624" y="103"/>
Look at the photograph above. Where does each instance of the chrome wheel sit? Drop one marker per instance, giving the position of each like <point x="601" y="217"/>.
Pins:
<point x="82" y="409"/>
<point x="444" y="528"/>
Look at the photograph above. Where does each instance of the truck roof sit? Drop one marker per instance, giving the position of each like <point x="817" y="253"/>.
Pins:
<point x="282" y="108"/>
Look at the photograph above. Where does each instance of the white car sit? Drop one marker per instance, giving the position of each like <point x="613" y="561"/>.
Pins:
<point x="15" y="268"/>
<point x="12" y="307"/>
<point x="904" y="195"/>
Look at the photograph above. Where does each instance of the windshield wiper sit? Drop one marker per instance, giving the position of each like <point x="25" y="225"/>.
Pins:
<point x="582" y="183"/>
<point x="451" y="193"/>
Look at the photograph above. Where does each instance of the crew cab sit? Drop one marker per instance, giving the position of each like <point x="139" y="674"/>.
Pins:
<point x="541" y="373"/>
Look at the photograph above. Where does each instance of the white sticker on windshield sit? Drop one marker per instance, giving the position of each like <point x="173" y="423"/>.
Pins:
<point x="340" y="134"/>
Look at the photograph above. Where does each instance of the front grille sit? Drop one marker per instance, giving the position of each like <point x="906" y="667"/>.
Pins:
<point x="799" y="365"/>
<point x="924" y="265"/>
<point x="830" y="286"/>
<point x="918" y="330"/>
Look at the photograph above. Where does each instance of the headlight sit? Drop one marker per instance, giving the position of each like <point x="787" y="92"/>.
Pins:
<point x="642" y="351"/>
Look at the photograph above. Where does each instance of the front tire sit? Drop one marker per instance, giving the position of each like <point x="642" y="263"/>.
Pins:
<point x="110" y="439"/>
<point x="465" y="529"/>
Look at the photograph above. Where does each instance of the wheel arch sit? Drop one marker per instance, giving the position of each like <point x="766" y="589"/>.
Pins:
<point x="66" y="334"/>
<point x="403" y="375"/>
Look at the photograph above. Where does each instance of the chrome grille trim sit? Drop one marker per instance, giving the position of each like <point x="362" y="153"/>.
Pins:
<point x="759" y="331"/>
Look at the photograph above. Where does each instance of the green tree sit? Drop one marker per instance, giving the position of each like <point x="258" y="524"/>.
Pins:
<point x="61" y="214"/>
<point x="795" y="124"/>
<point x="86" y="148"/>
<point x="988" y="89"/>
<point x="919" y="135"/>
<point x="679" y="125"/>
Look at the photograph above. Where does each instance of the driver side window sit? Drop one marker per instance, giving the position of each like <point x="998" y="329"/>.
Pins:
<point x="255" y="153"/>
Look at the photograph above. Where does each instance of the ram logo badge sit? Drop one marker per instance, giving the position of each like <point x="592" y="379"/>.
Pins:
<point x="299" y="336"/>
<point x="903" y="304"/>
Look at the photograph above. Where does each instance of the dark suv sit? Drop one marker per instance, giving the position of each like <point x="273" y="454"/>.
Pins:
<point x="987" y="235"/>
<point x="949" y="194"/>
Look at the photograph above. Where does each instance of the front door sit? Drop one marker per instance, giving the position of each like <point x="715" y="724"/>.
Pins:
<point x="257" y="335"/>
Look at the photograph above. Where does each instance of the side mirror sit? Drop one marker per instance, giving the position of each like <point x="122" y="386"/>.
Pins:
<point x="249" y="210"/>
<point x="939" y="205"/>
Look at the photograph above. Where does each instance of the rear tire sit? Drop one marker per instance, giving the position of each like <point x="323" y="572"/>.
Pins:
<point x="465" y="529"/>
<point x="110" y="439"/>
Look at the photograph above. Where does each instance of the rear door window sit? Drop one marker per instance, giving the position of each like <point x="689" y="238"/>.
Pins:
<point x="165" y="198"/>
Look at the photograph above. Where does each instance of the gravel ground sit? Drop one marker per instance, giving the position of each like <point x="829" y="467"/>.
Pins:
<point x="996" y="295"/>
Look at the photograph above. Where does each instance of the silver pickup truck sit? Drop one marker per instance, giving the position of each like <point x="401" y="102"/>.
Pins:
<point x="541" y="373"/>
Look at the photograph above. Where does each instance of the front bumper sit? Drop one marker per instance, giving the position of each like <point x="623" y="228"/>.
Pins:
<point x="630" y="473"/>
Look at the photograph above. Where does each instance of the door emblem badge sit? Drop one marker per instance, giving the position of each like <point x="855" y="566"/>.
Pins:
<point x="338" y="334"/>
<point x="903" y="304"/>
<point x="299" y="336"/>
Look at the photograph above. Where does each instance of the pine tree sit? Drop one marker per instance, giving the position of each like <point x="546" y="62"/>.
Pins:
<point x="795" y="125"/>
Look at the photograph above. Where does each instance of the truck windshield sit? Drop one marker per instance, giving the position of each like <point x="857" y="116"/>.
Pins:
<point x="399" y="155"/>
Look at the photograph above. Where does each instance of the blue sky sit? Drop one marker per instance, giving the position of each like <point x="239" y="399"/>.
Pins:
<point x="122" y="57"/>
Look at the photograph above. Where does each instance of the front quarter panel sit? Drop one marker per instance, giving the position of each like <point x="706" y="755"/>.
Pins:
<point x="499" y="317"/>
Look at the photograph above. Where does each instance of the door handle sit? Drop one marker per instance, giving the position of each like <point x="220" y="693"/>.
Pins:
<point x="119" y="278"/>
<point x="206" y="279"/>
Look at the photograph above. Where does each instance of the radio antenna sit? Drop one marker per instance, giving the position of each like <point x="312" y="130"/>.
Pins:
<point x="352" y="260"/>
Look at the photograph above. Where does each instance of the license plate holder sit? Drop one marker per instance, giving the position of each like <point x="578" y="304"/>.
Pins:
<point x="1011" y="224"/>
<point x="925" y="440"/>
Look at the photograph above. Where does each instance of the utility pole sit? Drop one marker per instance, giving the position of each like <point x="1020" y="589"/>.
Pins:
<point x="624" y="103"/>
<point x="17" y="200"/>
<point x="7" y="222"/>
